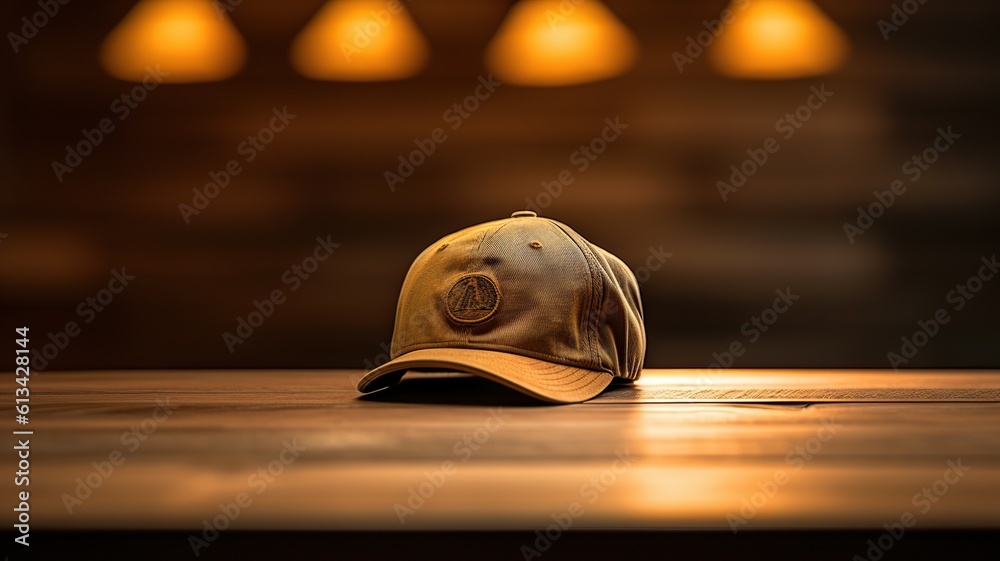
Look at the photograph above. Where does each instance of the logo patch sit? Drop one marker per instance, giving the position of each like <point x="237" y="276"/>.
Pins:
<point x="473" y="299"/>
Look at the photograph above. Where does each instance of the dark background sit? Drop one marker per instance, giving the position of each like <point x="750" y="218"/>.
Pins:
<point x="655" y="186"/>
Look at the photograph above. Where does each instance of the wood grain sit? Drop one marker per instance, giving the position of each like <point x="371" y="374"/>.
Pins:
<point x="513" y="463"/>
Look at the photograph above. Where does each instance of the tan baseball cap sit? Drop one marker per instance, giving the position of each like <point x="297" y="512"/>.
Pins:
<point x="523" y="301"/>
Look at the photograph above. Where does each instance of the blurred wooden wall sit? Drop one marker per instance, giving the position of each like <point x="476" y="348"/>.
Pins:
<point x="653" y="188"/>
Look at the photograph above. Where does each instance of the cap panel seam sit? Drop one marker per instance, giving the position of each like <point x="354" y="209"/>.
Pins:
<point x="467" y="329"/>
<point x="594" y="293"/>
<point x="489" y="234"/>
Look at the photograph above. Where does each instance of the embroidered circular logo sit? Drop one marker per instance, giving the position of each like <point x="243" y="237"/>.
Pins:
<point x="473" y="299"/>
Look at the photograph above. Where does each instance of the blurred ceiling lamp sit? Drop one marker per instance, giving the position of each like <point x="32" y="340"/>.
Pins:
<point x="776" y="39"/>
<point x="560" y="42"/>
<point x="189" y="39"/>
<point x="360" y="41"/>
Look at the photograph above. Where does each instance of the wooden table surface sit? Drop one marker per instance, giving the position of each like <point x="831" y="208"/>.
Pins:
<point x="746" y="449"/>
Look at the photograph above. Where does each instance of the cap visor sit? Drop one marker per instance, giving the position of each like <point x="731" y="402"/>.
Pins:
<point x="544" y="380"/>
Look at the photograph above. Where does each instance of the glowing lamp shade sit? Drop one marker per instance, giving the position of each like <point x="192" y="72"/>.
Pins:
<point x="556" y="43"/>
<point x="188" y="39"/>
<point x="778" y="39"/>
<point x="360" y="41"/>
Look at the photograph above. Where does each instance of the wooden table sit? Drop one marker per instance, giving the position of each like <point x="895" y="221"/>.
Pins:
<point x="740" y="450"/>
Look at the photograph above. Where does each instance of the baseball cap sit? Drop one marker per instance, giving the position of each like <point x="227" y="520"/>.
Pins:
<point x="524" y="301"/>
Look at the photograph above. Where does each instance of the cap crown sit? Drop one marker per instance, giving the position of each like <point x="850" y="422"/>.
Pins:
<point x="524" y="285"/>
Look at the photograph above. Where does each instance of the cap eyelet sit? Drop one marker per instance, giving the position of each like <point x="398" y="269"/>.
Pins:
<point x="536" y="244"/>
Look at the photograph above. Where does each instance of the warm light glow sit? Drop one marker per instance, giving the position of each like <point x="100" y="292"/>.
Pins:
<point x="360" y="40"/>
<point x="774" y="39"/>
<point x="554" y="43"/>
<point x="190" y="40"/>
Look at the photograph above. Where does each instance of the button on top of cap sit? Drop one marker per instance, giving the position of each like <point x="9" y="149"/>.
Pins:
<point x="523" y="213"/>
